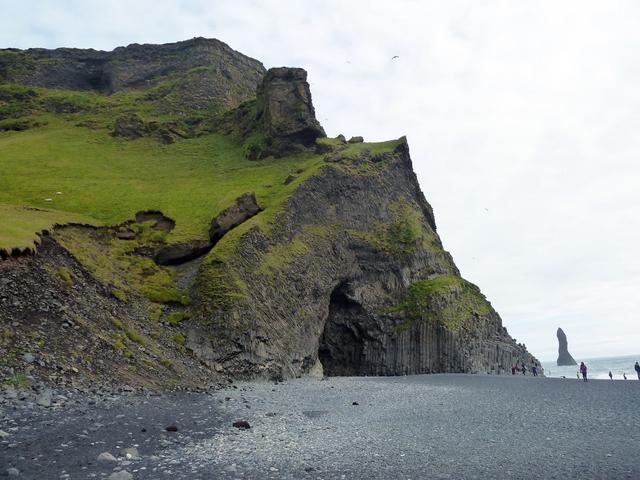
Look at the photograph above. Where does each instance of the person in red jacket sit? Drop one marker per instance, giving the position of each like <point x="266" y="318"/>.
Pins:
<point x="583" y="371"/>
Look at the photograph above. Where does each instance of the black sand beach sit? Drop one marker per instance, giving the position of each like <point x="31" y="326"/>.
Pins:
<point x="427" y="426"/>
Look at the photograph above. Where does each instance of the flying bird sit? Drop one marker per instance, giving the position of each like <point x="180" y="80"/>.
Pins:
<point x="394" y="57"/>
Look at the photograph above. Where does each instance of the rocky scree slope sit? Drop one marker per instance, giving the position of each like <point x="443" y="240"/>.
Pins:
<point x="181" y="243"/>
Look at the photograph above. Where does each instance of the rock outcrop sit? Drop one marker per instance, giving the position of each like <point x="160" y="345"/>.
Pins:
<point x="245" y="207"/>
<point x="210" y="75"/>
<point x="334" y="265"/>
<point x="354" y="280"/>
<point x="564" y="357"/>
<point x="285" y="113"/>
<point x="241" y="210"/>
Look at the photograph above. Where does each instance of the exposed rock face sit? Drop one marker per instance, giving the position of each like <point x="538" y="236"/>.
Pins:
<point x="69" y="330"/>
<point x="343" y="273"/>
<point x="240" y="211"/>
<point x="564" y="357"/>
<point x="129" y="126"/>
<point x="182" y="252"/>
<point x="244" y="208"/>
<point x="326" y="286"/>
<point x="285" y="112"/>
<point x="222" y="79"/>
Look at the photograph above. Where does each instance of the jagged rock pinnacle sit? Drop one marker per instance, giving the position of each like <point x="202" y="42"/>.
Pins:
<point x="285" y="112"/>
<point x="564" y="357"/>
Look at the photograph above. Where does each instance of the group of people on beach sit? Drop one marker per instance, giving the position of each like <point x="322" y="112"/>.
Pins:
<point x="583" y="372"/>
<point x="636" y="367"/>
<point x="523" y="368"/>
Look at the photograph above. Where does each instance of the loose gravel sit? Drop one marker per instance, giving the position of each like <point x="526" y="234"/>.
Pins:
<point x="427" y="426"/>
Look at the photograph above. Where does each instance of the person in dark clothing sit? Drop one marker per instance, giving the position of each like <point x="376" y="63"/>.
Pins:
<point x="637" y="369"/>
<point x="610" y="375"/>
<point x="513" y="369"/>
<point x="583" y="371"/>
<point x="524" y="369"/>
<point x="534" y="371"/>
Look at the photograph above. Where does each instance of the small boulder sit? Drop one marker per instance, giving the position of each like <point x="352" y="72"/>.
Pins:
<point x="172" y="428"/>
<point x="341" y="138"/>
<point x="356" y="139"/>
<point x="10" y="392"/>
<point x="121" y="475"/>
<point x="181" y="252"/>
<point x="130" y="453"/>
<point x="289" y="179"/>
<point x="129" y="126"/>
<point x="355" y="403"/>
<point x="245" y="207"/>
<point x="106" y="457"/>
<point x="242" y="424"/>
<point x="27" y="357"/>
<point x="44" y="399"/>
<point x="13" y="472"/>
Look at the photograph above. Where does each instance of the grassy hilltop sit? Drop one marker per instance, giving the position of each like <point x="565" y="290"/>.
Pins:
<point x="71" y="168"/>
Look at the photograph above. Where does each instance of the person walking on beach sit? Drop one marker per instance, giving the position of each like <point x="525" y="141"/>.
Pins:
<point x="524" y="369"/>
<point x="624" y="375"/>
<point x="637" y="369"/>
<point x="610" y="375"/>
<point x="583" y="371"/>
<point x="534" y="371"/>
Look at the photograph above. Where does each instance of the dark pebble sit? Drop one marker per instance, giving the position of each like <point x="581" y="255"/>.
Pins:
<point x="172" y="428"/>
<point x="243" y="424"/>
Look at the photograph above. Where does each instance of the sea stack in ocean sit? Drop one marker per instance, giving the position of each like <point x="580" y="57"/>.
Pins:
<point x="564" y="357"/>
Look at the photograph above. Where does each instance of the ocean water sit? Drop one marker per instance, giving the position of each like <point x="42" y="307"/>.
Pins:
<point x="597" y="367"/>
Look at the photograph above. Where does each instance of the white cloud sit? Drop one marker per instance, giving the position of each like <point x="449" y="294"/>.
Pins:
<point x="527" y="109"/>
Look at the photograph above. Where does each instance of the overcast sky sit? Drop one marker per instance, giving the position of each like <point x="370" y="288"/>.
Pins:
<point x="523" y="121"/>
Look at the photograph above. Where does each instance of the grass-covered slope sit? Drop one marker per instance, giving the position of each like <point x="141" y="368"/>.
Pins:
<point x="84" y="175"/>
<point x="20" y="224"/>
<point x="58" y="153"/>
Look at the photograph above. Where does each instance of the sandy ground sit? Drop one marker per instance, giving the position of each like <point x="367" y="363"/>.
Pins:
<point x="426" y="426"/>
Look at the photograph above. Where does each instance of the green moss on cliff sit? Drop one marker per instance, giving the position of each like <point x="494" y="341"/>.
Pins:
<point x="176" y="317"/>
<point x="447" y="299"/>
<point x="65" y="275"/>
<point x="110" y="260"/>
<point x="404" y="233"/>
<point x="407" y="228"/>
<point x="218" y="287"/>
<point x="281" y="255"/>
<point x="371" y="149"/>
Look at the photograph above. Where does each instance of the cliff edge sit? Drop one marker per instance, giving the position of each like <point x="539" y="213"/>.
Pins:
<point x="177" y="247"/>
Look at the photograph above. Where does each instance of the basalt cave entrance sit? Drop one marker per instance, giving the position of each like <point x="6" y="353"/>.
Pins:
<point x="341" y="349"/>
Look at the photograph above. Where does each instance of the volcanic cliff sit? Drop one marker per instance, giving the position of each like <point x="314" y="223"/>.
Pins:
<point x="191" y="220"/>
